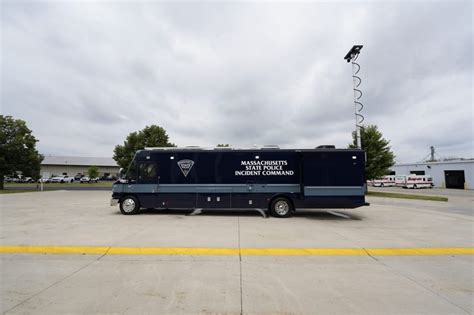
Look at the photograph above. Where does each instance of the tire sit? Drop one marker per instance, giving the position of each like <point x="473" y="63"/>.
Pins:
<point x="414" y="186"/>
<point x="281" y="207"/>
<point x="129" y="205"/>
<point x="381" y="185"/>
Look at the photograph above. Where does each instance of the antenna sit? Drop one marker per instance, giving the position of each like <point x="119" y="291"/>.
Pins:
<point x="352" y="56"/>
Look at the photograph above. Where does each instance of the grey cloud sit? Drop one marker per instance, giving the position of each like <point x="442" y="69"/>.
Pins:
<point x="239" y="73"/>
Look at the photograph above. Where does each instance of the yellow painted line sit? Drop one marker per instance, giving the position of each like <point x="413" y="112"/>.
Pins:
<point x="54" y="249"/>
<point x="173" y="251"/>
<point x="302" y="252"/>
<point x="235" y="251"/>
<point x="419" y="251"/>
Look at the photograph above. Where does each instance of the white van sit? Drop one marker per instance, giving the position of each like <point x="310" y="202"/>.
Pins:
<point x="386" y="181"/>
<point x="400" y="180"/>
<point x="418" y="181"/>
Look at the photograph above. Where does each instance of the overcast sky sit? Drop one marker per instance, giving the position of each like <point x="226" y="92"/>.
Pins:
<point x="85" y="75"/>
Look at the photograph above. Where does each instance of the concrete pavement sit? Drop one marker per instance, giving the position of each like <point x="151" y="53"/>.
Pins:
<point x="189" y="284"/>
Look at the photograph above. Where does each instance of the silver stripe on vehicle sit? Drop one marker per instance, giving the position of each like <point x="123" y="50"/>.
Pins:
<point x="245" y="188"/>
<point x="334" y="190"/>
<point x="229" y="188"/>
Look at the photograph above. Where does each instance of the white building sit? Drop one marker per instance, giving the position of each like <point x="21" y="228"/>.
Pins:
<point x="73" y="165"/>
<point x="446" y="174"/>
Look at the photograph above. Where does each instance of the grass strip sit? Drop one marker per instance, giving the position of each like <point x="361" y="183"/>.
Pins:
<point x="406" y="196"/>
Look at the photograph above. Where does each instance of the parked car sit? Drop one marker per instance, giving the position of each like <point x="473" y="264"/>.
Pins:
<point x="78" y="177"/>
<point x="8" y="179"/>
<point x="87" y="179"/>
<point x="44" y="180"/>
<point x="62" y="179"/>
<point x="27" y="180"/>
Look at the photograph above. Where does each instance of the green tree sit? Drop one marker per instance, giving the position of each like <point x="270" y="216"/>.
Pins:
<point x="17" y="149"/>
<point x="150" y="136"/>
<point x="93" y="172"/>
<point x="222" y="145"/>
<point x="379" y="155"/>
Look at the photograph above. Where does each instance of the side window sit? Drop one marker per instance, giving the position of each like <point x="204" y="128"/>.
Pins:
<point x="147" y="172"/>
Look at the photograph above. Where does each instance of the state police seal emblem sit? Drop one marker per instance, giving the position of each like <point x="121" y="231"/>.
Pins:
<point x="185" y="166"/>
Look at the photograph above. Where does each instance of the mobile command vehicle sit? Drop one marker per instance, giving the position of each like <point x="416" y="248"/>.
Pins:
<point x="278" y="180"/>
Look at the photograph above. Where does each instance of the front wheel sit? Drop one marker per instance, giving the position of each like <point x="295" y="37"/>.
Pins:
<point x="281" y="207"/>
<point x="129" y="205"/>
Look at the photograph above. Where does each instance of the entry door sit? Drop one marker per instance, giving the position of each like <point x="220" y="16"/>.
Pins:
<point x="454" y="179"/>
<point x="147" y="188"/>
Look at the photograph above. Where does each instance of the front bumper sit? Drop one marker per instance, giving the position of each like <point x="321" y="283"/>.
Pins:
<point x="114" y="202"/>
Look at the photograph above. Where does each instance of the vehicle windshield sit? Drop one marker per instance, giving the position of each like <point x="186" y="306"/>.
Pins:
<point x="131" y="172"/>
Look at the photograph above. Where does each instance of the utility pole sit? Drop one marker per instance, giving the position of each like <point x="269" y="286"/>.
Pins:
<point x="432" y="149"/>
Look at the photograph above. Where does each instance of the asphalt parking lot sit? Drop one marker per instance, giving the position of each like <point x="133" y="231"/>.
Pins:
<point x="393" y="257"/>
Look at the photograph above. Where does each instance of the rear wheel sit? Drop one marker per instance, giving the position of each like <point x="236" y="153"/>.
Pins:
<point x="381" y="185"/>
<point x="414" y="186"/>
<point x="281" y="207"/>
<point x="129" y="205"/>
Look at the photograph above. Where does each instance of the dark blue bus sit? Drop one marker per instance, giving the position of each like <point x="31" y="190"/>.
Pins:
<point x="278" y="180"/>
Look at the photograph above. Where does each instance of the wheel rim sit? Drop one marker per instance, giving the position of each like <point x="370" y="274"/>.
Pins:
<point x="128" y="205"/>
<point x="282" y="207"/>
